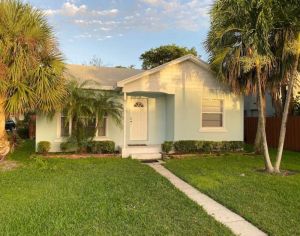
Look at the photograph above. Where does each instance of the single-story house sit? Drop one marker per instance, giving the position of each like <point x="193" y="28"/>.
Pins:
<point x="180" y="100"/>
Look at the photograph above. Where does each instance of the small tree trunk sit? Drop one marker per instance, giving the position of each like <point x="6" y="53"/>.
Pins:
<point x="268" y="164"/>
<point x="258" y="144"/>
<point x="285" y="116"/>
<point x="4" y="143"/>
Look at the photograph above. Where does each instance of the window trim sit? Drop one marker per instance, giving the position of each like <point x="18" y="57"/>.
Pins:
<point x="213" y="129"/>
<point x="58" y="133"/>
<point x="59" y="138"/>
<point x="106" y="129"/>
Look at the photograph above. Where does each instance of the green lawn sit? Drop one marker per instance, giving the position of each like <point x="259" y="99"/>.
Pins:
<point x="95" y="197"/>
<point x="271" y="202"/>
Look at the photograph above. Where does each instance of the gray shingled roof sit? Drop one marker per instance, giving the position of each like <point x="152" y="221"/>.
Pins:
<point x="105" y="76"/>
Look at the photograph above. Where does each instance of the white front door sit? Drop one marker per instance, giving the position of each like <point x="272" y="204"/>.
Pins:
<point x="139" y="119"/>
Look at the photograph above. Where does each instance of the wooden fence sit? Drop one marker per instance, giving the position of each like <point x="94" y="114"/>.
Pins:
<point x="292" y="140"/>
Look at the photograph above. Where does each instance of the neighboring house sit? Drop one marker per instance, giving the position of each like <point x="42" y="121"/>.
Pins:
<point x="180" y="100"/>
<point x="250" y="103"/>
<point x="250" y="106"/>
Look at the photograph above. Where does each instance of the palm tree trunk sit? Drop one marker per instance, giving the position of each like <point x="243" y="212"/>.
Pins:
<point x="258" y="144"/>
<point x="285" y="116"/>
<point x="268" y="164"/>
<point x="4" y="143"/>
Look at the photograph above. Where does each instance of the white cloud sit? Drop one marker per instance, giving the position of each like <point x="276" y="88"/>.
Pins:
<point x="139" y="15"/>
<point x="111" y="12"/>
<point x="69" y="8"/>
<point x="189" y="15"/>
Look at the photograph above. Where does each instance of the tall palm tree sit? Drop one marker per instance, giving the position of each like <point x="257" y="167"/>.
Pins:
<point x="286" y="38"/>
<point x="240" y="52"/>
<point x="31" y="66"/>
<point x="82" y="107"/>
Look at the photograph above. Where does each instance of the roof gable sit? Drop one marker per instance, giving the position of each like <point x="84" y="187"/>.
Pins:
<point x="161" y="67"/>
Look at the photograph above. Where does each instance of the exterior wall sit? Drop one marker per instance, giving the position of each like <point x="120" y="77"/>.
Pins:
<point x="250" y="106"/>
<point x="170" y="114"/>
<point x="190" y="83"/>
<point x="48" y="130"/>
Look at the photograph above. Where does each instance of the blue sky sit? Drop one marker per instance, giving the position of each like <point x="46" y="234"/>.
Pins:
<point x="119" y="31"/>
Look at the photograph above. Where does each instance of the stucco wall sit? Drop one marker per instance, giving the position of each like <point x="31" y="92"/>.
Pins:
<point x="48" y="130"/>
<point x="190" y="83"/>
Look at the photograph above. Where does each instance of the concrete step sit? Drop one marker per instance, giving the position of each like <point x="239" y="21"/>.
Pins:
<point x="146" y="156"/>
<point x="144" y="149"/>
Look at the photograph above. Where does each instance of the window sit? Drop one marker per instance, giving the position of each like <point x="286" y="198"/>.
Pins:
<point x="212" y="113"/>
<point x="102" y="127"/>
<point x="67" y="126"/>
<point x="64" y="125"/>
<point x="138" y="104"/>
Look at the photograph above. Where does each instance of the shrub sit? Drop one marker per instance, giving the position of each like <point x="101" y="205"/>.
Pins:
<point x="101" y="147"/>
<point x="44" y="147"/>
<point x="193" y="146"/>
<point x="185" y="146"/>
<point x="167" y="146"/>
<point x="68" y="146"/>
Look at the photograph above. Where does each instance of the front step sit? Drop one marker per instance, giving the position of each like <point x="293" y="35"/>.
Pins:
<point x="146" y="156"/>
<point x="150" y="152"/>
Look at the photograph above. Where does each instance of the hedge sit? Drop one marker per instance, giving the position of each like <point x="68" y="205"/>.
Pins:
<point x="101" y="147"/>
<point x="194" y="146"/>
<point x="167" y="146"/>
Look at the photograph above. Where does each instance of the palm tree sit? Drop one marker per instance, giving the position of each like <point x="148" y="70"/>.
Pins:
<point x="240" y="52"/>
<point x="30" y="64"/>
<point x="286" y="37"/>
<point x="82" y="107"/>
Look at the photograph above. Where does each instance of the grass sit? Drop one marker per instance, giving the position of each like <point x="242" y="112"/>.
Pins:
<point x="95" y="197"/>
<point x="271" y="202"/>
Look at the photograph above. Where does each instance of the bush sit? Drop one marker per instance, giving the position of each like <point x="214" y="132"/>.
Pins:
<point x="186" y="146"/>
<point x="167" y="146"/>
<point x="44" y="147"/>
<point x="193" y="146"/>
<point x="64" y="146"/>
<point x="101" y="147"/>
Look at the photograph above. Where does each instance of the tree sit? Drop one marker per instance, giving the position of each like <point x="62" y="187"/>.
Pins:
<point x="158" y="56"/>
<point x="240" y="52"/>
<point x="260" y="39"/>
<point x="83" y="106"/>
<point x="30" y="64"/>
<point x="287" y="35"/>
<point x="96" y="61"/>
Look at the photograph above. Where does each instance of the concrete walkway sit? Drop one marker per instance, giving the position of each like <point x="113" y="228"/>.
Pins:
<point x="236" y="223"/>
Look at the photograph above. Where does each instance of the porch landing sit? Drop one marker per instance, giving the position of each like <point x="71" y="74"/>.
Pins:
<point x="147" y="152"/>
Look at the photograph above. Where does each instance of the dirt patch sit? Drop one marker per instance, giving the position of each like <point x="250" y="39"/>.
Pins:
<point x="8" y="165"/>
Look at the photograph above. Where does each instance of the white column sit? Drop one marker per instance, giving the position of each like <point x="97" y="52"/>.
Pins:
<point x="124" y="123"/>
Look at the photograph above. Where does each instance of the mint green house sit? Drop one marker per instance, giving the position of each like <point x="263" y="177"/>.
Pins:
<point x="180" y="100"/>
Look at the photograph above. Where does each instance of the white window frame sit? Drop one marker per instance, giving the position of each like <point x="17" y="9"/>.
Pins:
<point x="58" y="133"/>
<point x="213" y="129"/>
<point x="106" y="129"/>
<point x="96" y="138"/>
